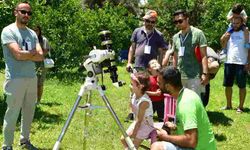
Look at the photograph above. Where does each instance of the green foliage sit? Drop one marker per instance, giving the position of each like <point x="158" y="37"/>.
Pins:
<point x="208" y="15"/>
<point x="73" y="31"/>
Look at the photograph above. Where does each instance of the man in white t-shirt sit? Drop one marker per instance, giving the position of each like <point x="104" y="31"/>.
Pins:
<point x="236" y="64"/>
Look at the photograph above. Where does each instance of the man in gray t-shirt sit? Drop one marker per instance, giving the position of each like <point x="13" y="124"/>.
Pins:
<point x="147" y="42"/>
<point x="20" y="49"/>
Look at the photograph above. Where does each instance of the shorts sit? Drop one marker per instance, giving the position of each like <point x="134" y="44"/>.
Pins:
<point x="170" y="146"/>
<point x="232" y="71"/>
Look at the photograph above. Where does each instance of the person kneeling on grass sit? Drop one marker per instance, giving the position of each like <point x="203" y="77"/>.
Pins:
<point x="142" y="107"/>
<point x="193" y="129"/>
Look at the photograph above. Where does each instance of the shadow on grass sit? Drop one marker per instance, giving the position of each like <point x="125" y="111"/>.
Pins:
<point x="40" y="115"/>
<point x="220" y="137"/>
<point x="50" y="104"/>
<point x="3" y="107"/>
<point x="217" y="118"/>
<point x="246" y="110"/>
<point x="46" y="117"/>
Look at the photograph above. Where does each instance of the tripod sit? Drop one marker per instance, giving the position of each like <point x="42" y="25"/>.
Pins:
<point x="91" y="83"/>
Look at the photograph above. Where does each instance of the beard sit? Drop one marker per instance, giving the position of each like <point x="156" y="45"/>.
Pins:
<point x="23" y="20"/>
<point x="165" y="90"/>
<point x="149" y="28"/>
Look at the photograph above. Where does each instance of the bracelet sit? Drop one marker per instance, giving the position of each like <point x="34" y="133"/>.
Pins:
<point x="204" y="73"/>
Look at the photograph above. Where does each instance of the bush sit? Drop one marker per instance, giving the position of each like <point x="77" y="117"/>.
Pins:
<point x="73" y="31"/>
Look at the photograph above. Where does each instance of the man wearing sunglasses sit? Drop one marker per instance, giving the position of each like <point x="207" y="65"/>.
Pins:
<point x="147" y="44"/>
<point x="194" y="74"/>
<point x="20" y="49"/>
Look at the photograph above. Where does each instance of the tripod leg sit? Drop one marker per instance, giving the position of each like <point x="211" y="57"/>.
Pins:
<point x="127" y="138"/>
<point x="86" y="121"/>
<point x="65" y="127"/>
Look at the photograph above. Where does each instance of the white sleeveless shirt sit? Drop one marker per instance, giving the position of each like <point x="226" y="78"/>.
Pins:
<point x="236" y="53"/>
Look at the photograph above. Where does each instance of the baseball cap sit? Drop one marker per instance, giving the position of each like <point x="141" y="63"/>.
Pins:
<point x="150" y="14"/>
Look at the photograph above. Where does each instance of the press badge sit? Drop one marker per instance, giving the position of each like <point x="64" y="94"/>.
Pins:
<point x="181" y="51"/>
<point x="147" y="49"/>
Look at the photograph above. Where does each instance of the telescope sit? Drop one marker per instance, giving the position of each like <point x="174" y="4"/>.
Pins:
<point x="96" y="63"/>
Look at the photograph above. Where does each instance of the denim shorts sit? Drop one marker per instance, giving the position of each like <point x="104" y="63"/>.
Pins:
<point x="232" y="71"/>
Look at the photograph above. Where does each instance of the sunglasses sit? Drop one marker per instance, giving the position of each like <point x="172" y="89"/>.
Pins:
<point x="148" y="21"/>
<point x="29" y="13"/>
<point x="180" y="21"/>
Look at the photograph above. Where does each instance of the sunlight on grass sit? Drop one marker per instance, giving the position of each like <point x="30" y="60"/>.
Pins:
<point x="231" y="129"/>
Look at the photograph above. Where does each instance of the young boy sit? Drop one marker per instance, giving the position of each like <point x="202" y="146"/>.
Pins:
<point x="236" y="11"/>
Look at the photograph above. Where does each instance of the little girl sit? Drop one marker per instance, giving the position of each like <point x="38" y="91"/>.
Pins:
<point x="142" y="126"/>
<point x="154" y="91"/>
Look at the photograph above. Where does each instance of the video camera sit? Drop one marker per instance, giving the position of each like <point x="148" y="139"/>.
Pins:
<point x="98" y="59"/>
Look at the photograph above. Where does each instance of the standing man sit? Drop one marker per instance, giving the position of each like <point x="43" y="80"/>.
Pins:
<point x="237" y="63"/>
<point x="194" y="74"/>
<point x="20" y="48"/>
<point x="193" y="129"/>
<point x="147" y="43"/>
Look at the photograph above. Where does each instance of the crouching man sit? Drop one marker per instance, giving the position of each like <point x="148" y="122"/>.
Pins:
<point x="193" y="127"/>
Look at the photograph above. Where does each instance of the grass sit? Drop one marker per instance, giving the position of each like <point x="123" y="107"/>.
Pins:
<point x="231" y="129"/>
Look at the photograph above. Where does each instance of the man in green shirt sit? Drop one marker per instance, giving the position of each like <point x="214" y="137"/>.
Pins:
<point x="185" y="43"/>
<point x="193" y="127"/>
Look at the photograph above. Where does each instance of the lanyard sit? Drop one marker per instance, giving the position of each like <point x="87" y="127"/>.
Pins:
<point x="148" y="38"/>
<point x="183" y="39"/>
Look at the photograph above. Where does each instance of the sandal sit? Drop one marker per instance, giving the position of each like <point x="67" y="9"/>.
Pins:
<point x="239" y="110"/>
<point x="226" y="108"/>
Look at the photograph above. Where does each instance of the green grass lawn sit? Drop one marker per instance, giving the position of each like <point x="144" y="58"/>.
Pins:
<point x="231" y="130"/>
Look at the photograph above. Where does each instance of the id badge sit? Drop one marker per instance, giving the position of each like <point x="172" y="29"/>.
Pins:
<point x="147" y="49"/>
<point x="29" y="48"/>
<point x="181" y="51"/>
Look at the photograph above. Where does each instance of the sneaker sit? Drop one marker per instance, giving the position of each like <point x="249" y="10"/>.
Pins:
<point x="129" y="117"/>
<point x="7" y="148"/>
<point x="28" y="145"/>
